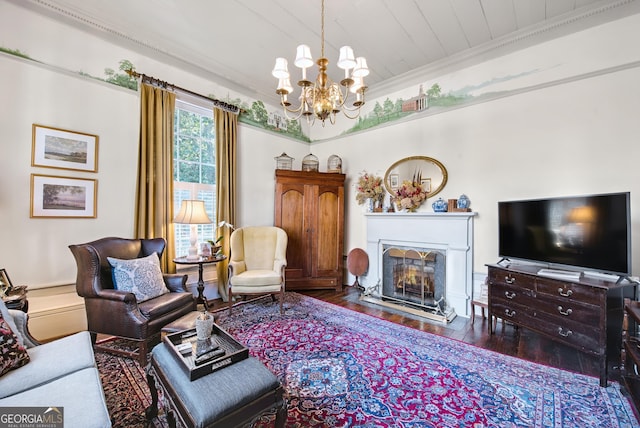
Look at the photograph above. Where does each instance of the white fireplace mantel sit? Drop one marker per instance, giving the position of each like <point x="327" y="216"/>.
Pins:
<point x="451" y="232"/>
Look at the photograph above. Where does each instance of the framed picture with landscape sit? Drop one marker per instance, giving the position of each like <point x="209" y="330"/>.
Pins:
<point x="59" y="148"/>
<point x="63" y="196"/>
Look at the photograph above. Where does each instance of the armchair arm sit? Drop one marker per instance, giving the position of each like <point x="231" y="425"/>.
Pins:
<point x="117" y="296"/>
<point x="279" y="265"/>
<point x="236" y="268"/>
<point x="175" y="282"/>
<point x="21" y="319"/>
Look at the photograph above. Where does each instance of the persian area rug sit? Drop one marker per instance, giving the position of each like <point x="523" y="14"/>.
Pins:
<point x="341" y="368"/>
<point x="126" y="391"/>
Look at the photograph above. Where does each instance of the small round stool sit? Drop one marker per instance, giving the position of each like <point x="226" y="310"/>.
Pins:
<point x="357" y="264"/>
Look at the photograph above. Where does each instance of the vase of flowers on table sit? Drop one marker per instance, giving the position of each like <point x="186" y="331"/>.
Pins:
<point x="369" y="190"/>
<point x="410" y="195"/>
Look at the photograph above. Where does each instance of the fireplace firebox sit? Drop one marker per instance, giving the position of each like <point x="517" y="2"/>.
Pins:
<point x="415" y="277"/>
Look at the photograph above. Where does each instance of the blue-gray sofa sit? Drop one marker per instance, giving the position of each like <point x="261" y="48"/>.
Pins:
<point x="61" y="373"/>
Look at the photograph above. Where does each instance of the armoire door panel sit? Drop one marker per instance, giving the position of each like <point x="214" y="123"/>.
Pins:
<point x="326" y="242"/>
<point x="291" y="220"/>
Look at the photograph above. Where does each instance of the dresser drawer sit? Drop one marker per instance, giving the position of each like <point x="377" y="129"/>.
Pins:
<point x="579" y="335"/>
<point x="507" y="310"/>
<point x="571" y="290"/>
<point x="497" y="276"/>
<point x="565" y="308"/>
<point x="508" y="294"/>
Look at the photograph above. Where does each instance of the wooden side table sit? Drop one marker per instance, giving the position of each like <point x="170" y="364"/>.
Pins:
<point x="482" y="301"/>
<point x="200" y="261"/>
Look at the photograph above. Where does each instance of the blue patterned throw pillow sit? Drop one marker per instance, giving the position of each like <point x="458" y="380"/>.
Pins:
<point x="141" y="277"/>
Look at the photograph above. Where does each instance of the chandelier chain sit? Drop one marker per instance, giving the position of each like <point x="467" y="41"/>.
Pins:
<point x="322" y="30"/>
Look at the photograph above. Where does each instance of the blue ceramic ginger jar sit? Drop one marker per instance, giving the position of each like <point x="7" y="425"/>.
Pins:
<point x="463" y="201"/>
<point x="440" y="206"/>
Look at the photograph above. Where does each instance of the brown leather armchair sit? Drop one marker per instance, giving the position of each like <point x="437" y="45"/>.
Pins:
<point x="117" y="313"/>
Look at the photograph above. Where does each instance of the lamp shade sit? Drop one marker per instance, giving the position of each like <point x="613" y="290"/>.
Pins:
<point x="303" y="57"/>
<point x="285" y="85"/>
<point x="361" y="69"/>
<point x="346" y="59"/>
<point x="192" y="212"/>
<point x="280" y="70"/>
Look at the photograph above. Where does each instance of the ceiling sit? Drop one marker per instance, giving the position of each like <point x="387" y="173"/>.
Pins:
<point x="235" y="42"/>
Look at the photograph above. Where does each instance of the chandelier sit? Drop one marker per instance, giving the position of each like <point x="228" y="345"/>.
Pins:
<point x="323" y="99"/>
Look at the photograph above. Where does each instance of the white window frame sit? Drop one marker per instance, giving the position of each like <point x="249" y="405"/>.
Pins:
<point x="187" y="190"/>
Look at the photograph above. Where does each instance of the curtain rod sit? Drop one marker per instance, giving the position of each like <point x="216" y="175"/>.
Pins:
<point x="165" y="85"/>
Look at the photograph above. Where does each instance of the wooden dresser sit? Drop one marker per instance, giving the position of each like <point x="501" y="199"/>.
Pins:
<point x="309" y="206"/>
<point x="585" y="314"/>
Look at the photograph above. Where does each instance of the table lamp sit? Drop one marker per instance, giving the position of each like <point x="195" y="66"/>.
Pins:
<point x="192" y="212"/>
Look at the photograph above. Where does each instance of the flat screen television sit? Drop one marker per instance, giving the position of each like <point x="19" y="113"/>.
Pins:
<point x="591" y="233"/>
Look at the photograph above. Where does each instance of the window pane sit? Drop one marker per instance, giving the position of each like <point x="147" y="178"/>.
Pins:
<point x="194" y="168"/>
<point x="209" y="174"/>
<point x="188" y="149"/>
<point x="206" y="155"/>
<point x="189" y="172"/>
<point x="207" y="128"/>
<point x="182" y="231"/>
<point x="189" y="123"/>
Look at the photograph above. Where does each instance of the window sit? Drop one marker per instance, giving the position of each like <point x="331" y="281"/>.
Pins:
<point x="194" y="168"/>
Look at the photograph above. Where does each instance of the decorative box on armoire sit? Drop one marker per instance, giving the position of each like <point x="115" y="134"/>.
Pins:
<point x="309" y="206"/>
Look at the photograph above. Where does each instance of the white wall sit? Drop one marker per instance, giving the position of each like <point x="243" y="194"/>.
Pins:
<point x="35" y="249"/>
<point x="570" y="139"/>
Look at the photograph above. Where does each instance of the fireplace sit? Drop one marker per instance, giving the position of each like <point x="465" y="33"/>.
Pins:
<point x="415" y="277"/>
<point x="421" y="263"/>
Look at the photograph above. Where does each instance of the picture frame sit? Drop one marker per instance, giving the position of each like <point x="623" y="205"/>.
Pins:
<point x="64" y="149"/>
<point x="5" y="282"/>
<point x="59" y="197"/>
<point x="426" y="184"/>
<point x="394" y="181"/>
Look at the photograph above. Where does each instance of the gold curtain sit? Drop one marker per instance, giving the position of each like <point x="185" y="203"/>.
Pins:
<point x="154" y="192"/>
<point x="226" y="141"/>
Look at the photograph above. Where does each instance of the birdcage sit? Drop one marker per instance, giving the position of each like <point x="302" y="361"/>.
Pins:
<point x="283" y="161"/>
<point x="310" y="163"/>
<point x="334" y="164"/>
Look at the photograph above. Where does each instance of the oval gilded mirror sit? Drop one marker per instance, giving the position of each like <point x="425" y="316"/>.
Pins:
<point x="432" y="174"/>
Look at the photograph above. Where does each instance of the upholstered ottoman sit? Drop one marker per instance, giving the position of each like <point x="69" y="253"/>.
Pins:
<point x="232" y="396"/>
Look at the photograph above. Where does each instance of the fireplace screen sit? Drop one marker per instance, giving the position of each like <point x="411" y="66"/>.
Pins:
<point x="414" y="276"/>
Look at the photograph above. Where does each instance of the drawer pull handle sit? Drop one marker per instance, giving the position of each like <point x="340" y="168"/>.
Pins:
<point x="509" y="313"/>
<point x="509" y="279"/>
<point x="509" y="295"/>
<point x="563" y="312"/>
<point x="564" y="333"/>
<point x="568" y="293"/>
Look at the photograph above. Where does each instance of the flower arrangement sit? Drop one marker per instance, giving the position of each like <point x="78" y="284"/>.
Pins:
<point x="369" y="187"/>
<point x="410" y="195"/>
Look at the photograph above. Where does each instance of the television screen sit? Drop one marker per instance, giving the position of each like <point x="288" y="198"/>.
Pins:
<point x="580" y="232"/>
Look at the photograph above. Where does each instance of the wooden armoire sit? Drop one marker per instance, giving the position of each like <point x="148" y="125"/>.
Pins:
<point x="309" y="206"/>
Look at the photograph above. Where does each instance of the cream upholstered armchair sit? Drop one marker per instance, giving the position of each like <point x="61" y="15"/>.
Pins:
<point x="257" y="261"/>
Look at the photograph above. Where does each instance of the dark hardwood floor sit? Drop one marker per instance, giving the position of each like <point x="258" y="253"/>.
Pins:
<point x="508" y="339"/>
